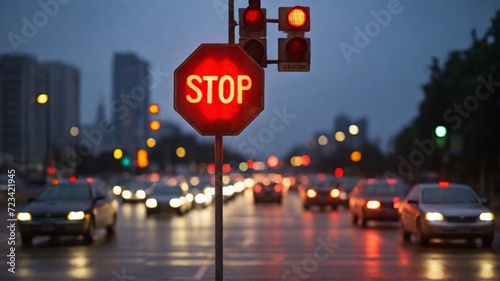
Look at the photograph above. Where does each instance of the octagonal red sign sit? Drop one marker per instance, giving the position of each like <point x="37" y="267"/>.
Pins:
<point x="219" y="89"/>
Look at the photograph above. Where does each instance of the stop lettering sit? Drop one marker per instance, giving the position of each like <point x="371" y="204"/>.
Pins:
<point x="219" y="89"/>
<point x="196" y="83"/>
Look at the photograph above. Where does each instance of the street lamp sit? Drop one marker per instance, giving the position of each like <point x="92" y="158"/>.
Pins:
<point x="43" y="99"/>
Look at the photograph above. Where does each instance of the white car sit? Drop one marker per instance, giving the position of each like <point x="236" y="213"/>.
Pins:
<point x="444" y="210"/>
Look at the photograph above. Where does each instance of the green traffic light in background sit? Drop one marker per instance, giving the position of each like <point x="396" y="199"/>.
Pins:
<point x="125" y="161"/>
<point x="440" y="131"/>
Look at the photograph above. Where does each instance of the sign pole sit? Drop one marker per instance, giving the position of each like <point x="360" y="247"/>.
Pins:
<point x="219" y="150"/>
<point x="219" y="153"/>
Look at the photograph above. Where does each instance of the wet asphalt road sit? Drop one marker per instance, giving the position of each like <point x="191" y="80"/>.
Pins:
<point x="263" y="242"/>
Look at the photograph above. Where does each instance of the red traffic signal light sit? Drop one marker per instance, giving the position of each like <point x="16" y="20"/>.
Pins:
<point x="252" y="28"/>
<point x="294" y="52"/>
<point x="254" y="19"/>
<point x="294" y="19"/>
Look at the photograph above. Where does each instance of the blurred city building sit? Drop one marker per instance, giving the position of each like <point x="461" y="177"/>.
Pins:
<point x="353" y="132"/>
<point x="31" y="131"/>
<point x="130" y="101"/>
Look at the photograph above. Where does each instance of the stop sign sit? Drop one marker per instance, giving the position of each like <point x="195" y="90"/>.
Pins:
<point x="219" y="89"/>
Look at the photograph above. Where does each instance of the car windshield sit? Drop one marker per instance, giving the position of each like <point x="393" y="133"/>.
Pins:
<point x="167" y="190"/>
<point x="325" y="183"/>
<point x="384" y="189"/>
<point x="448" y="196"/>
<point x="136" y="185"/>
<point x="348" y="184"/>
<point x="75" y="191"/>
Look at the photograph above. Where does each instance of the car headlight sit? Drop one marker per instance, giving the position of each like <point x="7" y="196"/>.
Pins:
<point x="434" y="216"/>
<point x="175" y="203"/>
<point x="334" y="193"/>
<point x="311" y="193"/>
<point x="151" y="203"/>
<point x="373" y="204"/>
<point x="126" y="194"/>
<point x="489" y="216"/>
<point x="23" y="216"/>
<point x="78" y="215"/>
<point x="200" y="198"/>
<point x="140" y="194"/>
<point x="117" y="190"/>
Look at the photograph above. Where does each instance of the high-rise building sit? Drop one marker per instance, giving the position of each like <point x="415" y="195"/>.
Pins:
<point x="63" y="84"/>
<point x="130" y="101"/>
<point x="23" y="130"/>
<point x="31" y="132"/>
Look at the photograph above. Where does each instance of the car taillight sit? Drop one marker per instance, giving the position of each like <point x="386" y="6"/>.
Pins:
<point x="278" y="188"/>
<point x="257" y="188"/>
<point x="335" y="193"/>
<point x="372" y="204"/>
<point x="443" y="184"/>
<point x="311" y="193"/>
<point x="396" y="201"/>
<point x="391" y="181"/>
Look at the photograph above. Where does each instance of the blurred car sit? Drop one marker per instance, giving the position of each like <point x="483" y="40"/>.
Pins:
<point x="444" y="210"/>
<point x="200" y="198"/>
<point x="68" y="208"/>
<point x="133" y="190"/>
<point x="115" y="182"/>
<point x="376" y="200"/>
<point x="321" y="191"/>
<point x="163" y="198"/>
<point x="271" y="192"/>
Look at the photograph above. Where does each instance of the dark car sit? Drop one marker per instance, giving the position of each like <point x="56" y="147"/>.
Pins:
<point x="134" y="190"/>
<point x="163" y="198"/>
<point x="322" y="191"/>
<point x="270" y="192"/>
<point x="376" y="200"/>
<point x="68" y="208"/>
<point x="445" y="210"/>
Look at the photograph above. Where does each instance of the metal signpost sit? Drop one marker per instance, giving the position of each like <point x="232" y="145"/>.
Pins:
<point x="219" y="90"/>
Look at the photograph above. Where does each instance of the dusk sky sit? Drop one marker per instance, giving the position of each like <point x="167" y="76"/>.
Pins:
<point x="381" y="80"/>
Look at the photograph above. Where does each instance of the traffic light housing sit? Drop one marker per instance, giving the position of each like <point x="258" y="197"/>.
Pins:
<point x="441" y="136"/>
<point x="294" y="52"/>
<point x="253" y="31"/>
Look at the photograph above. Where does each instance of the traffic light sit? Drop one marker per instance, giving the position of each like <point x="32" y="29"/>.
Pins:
<point x="125" y="161"/>
<point x="294" y="52"/>
<point x="117" y="153"/>
<point x="252" y="26"/>
<point x="142" y="158"/>
<point x="441" y="133"/>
